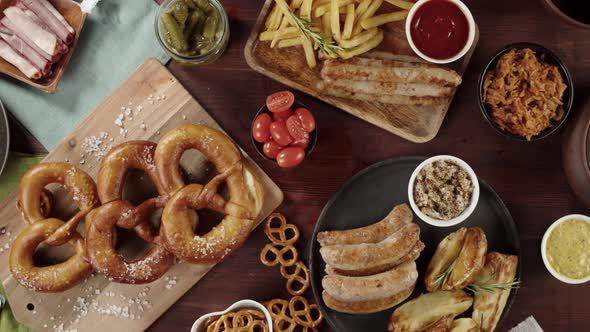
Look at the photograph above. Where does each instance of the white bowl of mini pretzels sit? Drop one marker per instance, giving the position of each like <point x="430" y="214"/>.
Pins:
<point x="246" y="315"/>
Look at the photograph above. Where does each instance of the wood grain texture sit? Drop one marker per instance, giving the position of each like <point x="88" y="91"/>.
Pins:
<point x="287" y="65"/>
<point x="70" y="10"/>
<point x="169" y="106"/>
<point x="528" y="177"/>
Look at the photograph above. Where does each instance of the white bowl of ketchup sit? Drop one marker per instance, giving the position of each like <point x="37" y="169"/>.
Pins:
<point x="440" y="31"/>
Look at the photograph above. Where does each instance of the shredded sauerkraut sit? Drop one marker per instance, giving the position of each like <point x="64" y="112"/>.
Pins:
<point x="523" y="93"/>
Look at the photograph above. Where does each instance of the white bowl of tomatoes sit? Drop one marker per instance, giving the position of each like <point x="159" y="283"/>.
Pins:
<point x="284" y="130"/>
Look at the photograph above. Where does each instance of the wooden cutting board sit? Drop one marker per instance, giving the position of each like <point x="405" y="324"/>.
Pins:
<point x="158" y="103"/>
<point x="418" y="124"/>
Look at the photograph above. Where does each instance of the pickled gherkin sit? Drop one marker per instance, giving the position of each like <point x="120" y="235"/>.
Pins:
<point x="191" y="27"/>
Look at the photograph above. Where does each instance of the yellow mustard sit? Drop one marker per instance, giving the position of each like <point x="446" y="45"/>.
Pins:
<point x="568" y="248"/>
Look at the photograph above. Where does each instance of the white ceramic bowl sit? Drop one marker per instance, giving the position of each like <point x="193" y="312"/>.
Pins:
<point x="468" y="210"/>
<point x="199" y="325"/>
<point x="470" y="37"/>
<point x="544" y="249"/>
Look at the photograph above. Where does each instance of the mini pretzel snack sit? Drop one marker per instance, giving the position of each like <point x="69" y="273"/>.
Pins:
<point x="296" y="314"/>
<point x="245" y="320"/>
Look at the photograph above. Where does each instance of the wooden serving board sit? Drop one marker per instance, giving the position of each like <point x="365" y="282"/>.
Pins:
<point x="97" y="301"/>
<point x="287" y="65"/>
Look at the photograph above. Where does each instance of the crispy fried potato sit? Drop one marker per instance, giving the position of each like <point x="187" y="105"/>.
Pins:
<point x="447" y="251"/>
<point x="441" y="325"/>
<point x="401" y="4"/>
<point x="470" y="260"/>
<point x="370" y="11"/>
<point x="296" y="41"/>
<point x="309" y="53"/>
<point x="348" y="22"/>
<point x="378" y="20"/>
<point x="306" y="9"/>
<point x="369" y="45"/>
<point x="362" y="7"/>
<point x="428" y="308"/>
<point x="464" y="325"/>
<point x="327" y="7"/>
<point x="359" y="39"/>
<point x="488" y="306"/>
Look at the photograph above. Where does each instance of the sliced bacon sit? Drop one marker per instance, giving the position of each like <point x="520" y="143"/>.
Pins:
<point x="46" y="40"/>
<point x="63" y="48"/>
<point x="17" y="60"/>
<point x="21" y="47"/>
<point x="57" y="14"/>
<point x="8" y="24"/>
<point x="53" y="23"/>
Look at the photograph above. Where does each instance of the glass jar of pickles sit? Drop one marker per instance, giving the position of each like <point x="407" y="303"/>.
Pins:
<point x="192" y="32"/>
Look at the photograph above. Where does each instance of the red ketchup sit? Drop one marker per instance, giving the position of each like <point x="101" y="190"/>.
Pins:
<point x="439" y="29"/>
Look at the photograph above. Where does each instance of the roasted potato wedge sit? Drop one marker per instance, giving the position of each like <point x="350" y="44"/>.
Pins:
<point x="441" y="325"/>
<point x="447" y="251"/>
<point x="461" y="255"/>
<point x="489" y="305"/>
<point x="470" y="260"/>
<point x="464" y="325"/>
<point x="428" y="308"/>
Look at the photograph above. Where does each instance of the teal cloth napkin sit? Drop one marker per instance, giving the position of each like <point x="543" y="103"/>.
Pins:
<point x="117" y="37"/>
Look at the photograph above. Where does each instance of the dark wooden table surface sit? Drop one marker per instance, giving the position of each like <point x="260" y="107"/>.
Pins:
<point x="528" y="176"/>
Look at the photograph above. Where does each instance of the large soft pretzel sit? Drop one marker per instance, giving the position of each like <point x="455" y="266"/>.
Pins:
<point x="33" y="197"/>
<point x="53" y="278"/>
<point x="100" y="228"/>
<point x="35" y="204"/>
<point x="101" y="222"/>
<point x="245" y="195"/>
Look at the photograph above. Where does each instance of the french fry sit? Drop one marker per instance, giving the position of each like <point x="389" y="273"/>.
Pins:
<point x="368" y="13"/>
<point x="283" y="34"/>
<point x="296" y="4"/>
<point x="357" y="40"/>
<point x="378" y="20"/>
<point x="290" y="42"/>
<point x="369" y="45"/>
<point x="407" y="5"/>
<point x="271" y="17"/>
<point x="348" y="22"/>
<point x="306" y="9"/>
<point x="309" y="53"/>
<point x="335" y="19"/>
<point x="326" y="26"/>
<point x="362" y="7"/>
<point x="326" y="8"/>
<point x="286" y="11"/>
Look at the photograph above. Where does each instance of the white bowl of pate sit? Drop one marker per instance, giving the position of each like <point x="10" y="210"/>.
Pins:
<point x="566" y="249"/>
<point x="434" y="199"/>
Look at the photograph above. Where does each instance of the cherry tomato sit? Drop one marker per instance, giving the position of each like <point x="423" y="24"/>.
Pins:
<point x="291" y="156"/>
<point x="280" y="101"/>
<point x="261" y="128"/>
<point x="306" y="118"/>
<point x="271" y="149"/>
<point x="302" y="143"/>
<point x="296" y="130"/>
<point x="280" y="134"/>
<point x="282" y="116"/>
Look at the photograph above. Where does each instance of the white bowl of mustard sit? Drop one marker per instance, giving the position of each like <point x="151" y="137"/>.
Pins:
<point x="566" y="249"/>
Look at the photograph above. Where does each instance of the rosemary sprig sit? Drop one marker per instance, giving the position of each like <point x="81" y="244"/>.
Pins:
<point x="442" y="278"/>
<point x="327" y="46"/>
<point x="492" y="287"/>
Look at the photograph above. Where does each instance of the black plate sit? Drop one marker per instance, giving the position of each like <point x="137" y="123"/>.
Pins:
<point x="4" y="137"/>
<point x="368" y="197"/>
